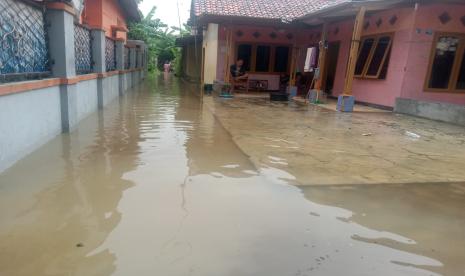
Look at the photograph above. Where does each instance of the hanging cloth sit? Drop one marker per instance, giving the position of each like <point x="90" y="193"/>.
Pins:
<point x="311" y="60"/>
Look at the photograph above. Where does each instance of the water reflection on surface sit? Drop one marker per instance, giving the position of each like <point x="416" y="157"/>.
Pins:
<point x="155" y="186"/>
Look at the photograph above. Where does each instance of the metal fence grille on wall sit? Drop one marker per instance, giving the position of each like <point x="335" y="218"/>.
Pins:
<point x="138" y="58"/>
<point x="144" y="56"/>
<point x="110" y="54"/>
<point x="126" y="57"/>
<point x="23" y="42"/>
<point x="82" y="49"/>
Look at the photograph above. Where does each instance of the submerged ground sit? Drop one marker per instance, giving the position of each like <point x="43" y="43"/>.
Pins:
<point x="162" y="183"/>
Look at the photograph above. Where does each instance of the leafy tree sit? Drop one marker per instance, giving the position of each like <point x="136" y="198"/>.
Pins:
<point x="185" y="30"/>
<point x="159" y="37"/>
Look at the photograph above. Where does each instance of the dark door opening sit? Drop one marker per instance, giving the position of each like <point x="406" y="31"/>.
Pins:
<point x="331" y="66"/>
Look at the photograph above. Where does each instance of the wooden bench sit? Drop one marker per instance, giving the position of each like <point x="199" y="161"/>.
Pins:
<point x="240" y="83"/>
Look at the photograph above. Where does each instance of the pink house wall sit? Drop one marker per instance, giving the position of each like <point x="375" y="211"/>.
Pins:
<point x="410" y="54"/>
<point x="416" y="70"/>
<point x="413" y="35"/>
<point x="382" y="92"/>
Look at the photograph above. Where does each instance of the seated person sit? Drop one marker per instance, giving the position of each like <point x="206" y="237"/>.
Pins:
<point x="238" y="71"/>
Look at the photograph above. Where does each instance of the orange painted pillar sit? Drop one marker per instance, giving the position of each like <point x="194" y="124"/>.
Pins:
<point x="354" y="47"/>
<point x="322" y="58"/>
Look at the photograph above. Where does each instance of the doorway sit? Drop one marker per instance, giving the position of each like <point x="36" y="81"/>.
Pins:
<point x="331" y="66"/>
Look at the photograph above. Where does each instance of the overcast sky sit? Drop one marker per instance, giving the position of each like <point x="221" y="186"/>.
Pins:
<point x="167" y="10"/>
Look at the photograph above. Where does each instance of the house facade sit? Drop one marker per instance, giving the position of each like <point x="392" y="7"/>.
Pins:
<point x="192" y="56"/>
<point x="109" y="15"/>
<point x="409" y="55"/>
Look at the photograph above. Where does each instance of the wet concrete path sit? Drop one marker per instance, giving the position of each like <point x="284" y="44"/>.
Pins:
<point x="156" y="186"/>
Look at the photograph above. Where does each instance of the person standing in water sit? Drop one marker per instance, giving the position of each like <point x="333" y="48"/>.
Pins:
<point x="167" y="66"/>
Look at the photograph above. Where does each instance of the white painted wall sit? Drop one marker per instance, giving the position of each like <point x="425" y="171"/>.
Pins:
<point x="210" y="44"/>
<point x="30" y="119"/>
<point x="110" y="89"/>
<point x="27" y="121"/>
<point x="86" y="98"/>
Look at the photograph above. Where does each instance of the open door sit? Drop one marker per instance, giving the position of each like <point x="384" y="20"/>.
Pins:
<point x="331" y="66"/>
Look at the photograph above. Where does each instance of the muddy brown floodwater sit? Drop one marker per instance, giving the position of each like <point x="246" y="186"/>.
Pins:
<point x="155" y="185"/>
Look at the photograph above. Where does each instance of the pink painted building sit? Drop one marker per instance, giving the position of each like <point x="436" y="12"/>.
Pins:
<point x="416" y="31"/>
<point x="411" y="55"/>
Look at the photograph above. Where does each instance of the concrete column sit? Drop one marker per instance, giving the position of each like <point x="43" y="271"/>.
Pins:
<point x="69" y="110"/>
<point x="98" y="56"/>
<point x="132" y="57"/>
<point x="138" y="73"/>
<point x="120" y="65"/>
<point x="146" y="58"/>
<point x="98" y="50"/>
<point x="60" y="29"/>
<point x="132" y="65"/>
<point x="143" y="56"/>
<point x="210" y="43"/>
<point x="61" y="42"/>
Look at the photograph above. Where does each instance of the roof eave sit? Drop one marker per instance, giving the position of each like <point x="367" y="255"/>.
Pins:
<point x="131" y="10"/>
<point x="211" y="18"/>
<point x="350" y="9"/>
<point x="186" y="40"/>
<point x="325" y="11"/>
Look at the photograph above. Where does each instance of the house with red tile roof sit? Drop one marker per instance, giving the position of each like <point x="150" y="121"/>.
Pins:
<point x="109" y="15"/>
<point x="282" y="10"/>
<point x="403" y="55"/>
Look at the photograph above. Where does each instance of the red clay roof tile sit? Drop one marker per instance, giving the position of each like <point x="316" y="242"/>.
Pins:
<point x="268" y="9"/>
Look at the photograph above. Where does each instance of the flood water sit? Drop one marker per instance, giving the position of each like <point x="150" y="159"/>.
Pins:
<point x="155" y="185"/>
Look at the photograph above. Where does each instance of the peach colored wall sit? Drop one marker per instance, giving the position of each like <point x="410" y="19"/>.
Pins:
<point x="92" y="13"/>
<point x="113" y="16"/>
<point x="104" y="14"/>
<point x="419" y="55"/>
<point x="382" y="92"/>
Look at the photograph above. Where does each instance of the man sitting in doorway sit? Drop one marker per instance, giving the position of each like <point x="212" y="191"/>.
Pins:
<point x="238" y="70"/>
<point x="239" y="75"/>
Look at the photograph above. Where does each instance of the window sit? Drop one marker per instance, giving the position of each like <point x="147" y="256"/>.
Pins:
<point x="379" y="56"/>
<point x="373" y="57"/>
<point x="281" y="59"/>
<point x="244" y="52"/>
<point x="446" y="70"/>
<point x="461" y="78"/>
<point x="264" y="58"/>
<point x="363" y="54"/>
<point x="262" y="63"/>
